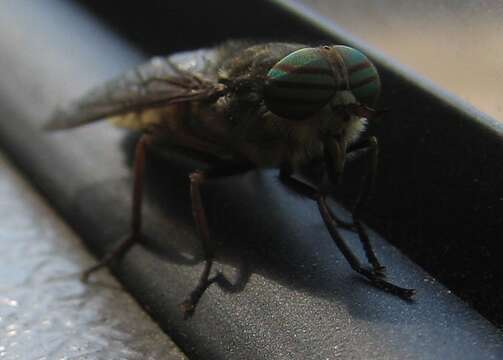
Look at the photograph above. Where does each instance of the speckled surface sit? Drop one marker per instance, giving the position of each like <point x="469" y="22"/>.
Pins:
<point x="46" y="312"/>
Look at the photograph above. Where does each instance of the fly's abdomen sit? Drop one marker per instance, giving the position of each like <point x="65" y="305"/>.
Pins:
<point x="168" y="117"/>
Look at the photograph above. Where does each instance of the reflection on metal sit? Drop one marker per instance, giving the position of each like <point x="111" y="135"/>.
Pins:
<point x="45" y="311"/>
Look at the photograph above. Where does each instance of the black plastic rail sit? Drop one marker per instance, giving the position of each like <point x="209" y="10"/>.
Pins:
<point x="293" y="296"/>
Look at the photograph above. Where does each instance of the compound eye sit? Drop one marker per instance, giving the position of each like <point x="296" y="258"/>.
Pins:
<point x="299" y="85"/>
<point x="363" y="77"/>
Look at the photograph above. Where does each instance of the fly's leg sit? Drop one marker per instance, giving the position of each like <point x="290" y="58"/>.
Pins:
<point x="120" y="249"/>
<point x="189" y="305"/>
<point x="375" y="279"/>
<point x="341" y="223"/>
<point x="197" y="178"/>
<point x="331" y="224"/>
<point x="370" y="148"/>
<point x="301" y="188"/>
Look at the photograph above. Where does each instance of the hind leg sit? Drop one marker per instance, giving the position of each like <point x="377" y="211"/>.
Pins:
<point x="135" y="235"/>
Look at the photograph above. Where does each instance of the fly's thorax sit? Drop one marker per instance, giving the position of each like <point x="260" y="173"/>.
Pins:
<point x="245" y="60"/>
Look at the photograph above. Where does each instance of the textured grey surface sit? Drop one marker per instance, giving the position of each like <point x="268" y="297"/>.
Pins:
<point x="296" y="297"/>
<point x="46" y="312"/>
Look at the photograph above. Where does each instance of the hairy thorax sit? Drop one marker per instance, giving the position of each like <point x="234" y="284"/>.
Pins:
<point x="237" y="125"/>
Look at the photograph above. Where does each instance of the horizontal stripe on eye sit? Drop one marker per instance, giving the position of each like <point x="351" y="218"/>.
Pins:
<point x="300" y="100"/>
<point x="285" y="84"/>
<point x="364" y="82"/>
<point x="358" y="67"/>
<point x="295" y="69"/>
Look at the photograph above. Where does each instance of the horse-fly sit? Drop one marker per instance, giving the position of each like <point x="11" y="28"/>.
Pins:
<point x="271" y="105"/>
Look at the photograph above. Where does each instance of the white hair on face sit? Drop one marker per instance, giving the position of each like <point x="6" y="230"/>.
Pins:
<point x="344" y="97"/>
<point x="356" y="124"/>
<point x="355" y="127"/>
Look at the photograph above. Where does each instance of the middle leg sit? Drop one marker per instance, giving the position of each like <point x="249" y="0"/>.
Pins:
<point x="197" y="178"/>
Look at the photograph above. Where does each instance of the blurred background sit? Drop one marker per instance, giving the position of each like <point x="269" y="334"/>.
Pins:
<point x="456" y="44"/>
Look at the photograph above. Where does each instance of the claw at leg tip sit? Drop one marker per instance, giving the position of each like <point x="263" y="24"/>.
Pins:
<point x="187" y="308"/>
<point x="380" y="271"/>
<point x="409" y="294"/>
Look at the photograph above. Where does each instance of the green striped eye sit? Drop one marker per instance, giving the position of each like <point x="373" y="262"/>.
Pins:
<point x="304" y="81"/>
<point x="363" y="77"/>
<point x="299" y="84"/>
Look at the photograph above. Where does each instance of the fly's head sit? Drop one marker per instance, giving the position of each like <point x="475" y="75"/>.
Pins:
<point x="337" y="85"/>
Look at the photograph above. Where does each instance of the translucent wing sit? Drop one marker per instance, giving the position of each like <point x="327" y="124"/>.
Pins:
<point x="160" y="82"/>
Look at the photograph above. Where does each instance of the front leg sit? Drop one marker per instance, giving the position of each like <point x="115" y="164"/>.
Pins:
<point x="370" y="149"/>
<point x="331" y="224"/>
<point x="302" y="188"/>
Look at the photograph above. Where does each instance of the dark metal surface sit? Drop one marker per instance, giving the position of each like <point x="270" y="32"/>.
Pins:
<point x="293" y="295"/>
